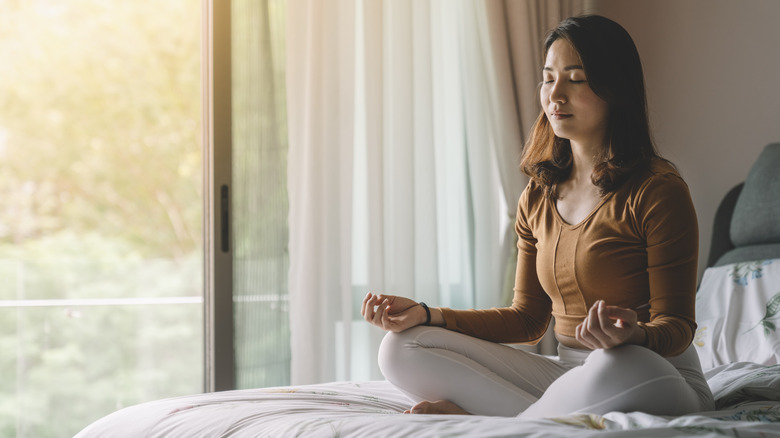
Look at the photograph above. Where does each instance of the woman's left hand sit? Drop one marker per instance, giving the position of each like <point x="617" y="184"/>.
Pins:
<point x="609" y="326"/>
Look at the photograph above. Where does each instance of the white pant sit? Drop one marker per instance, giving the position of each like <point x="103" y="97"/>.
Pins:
<point x="486" y="378"/>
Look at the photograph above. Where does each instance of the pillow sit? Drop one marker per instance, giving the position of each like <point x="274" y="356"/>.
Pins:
<point x="754" y="221"/>
<point x="738" y="314"/>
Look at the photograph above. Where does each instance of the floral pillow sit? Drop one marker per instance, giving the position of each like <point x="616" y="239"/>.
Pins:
<point x="738" y="314"/>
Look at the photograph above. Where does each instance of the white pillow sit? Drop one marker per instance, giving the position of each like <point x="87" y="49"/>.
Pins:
<point x="738" y="313"/>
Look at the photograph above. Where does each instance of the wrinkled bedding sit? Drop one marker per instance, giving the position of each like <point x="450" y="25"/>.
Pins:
<point x="738" y="310"/>
<point x="747" y="394"/>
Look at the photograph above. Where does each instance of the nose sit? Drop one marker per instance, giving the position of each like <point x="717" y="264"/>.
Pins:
<point x="558" y="92"/>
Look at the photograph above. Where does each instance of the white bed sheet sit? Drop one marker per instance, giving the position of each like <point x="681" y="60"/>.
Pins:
<point x="748" y="395"/>
<point x="738" y="309"/>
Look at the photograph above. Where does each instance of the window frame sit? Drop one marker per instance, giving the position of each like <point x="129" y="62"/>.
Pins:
<point x="219" y="351"/>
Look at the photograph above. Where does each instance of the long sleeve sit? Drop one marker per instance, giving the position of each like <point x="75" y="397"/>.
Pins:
<point x="668" y="221"/>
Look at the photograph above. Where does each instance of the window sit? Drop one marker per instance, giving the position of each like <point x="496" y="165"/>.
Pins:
<point x="102" y="220"/>
<point x="100" y="223"/>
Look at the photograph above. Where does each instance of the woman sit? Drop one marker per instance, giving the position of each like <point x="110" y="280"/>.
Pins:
<point x="608" y="243"/>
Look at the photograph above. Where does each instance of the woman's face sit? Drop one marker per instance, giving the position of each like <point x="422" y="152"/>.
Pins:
<point x="573" y="109"/>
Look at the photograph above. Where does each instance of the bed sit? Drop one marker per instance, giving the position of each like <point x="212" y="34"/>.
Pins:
<point x="747" y="392"/>
<point x="738" y="340"/>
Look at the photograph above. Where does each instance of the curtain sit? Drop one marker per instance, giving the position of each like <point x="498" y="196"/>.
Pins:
<point x="320" y="108"/>
<point x="405" y="129"/>
<point x="514" y="33"/>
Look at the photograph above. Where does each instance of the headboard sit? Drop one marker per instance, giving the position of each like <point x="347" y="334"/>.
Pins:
<point x="747" y="222"/>
<point x="738" y="301"/>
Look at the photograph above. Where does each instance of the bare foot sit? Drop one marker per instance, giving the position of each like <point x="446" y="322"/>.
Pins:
<point x="441" y="407"/>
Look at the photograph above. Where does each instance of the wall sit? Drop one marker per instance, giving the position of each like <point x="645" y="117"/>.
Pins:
<point x="712" y="69"/>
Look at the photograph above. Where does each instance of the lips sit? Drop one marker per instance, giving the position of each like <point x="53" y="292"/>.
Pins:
<point x="560" y="116"/>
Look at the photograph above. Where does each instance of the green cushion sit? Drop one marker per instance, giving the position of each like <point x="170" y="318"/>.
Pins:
<point x="756" y="219"/>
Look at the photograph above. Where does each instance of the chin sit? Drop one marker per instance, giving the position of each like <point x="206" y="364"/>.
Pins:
<point x="562" y="134"/>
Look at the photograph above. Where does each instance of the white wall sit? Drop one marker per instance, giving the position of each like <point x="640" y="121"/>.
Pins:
<point x="712" y="69"/>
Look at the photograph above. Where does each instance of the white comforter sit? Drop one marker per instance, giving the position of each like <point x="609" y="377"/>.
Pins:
<point x="738" y="309"/>
<point x="747" y="395"/>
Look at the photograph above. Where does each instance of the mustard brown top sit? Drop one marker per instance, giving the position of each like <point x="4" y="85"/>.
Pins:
<point x="638" y="246"/>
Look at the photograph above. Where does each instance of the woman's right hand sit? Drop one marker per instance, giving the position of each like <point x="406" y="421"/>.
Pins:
<point x="392" y="313"/>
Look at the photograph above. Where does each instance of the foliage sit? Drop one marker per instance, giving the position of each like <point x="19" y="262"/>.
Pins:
<point x="100" y="122"/>
<point x="100" y="181"/>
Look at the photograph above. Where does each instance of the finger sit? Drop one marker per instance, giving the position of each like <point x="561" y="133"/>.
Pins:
<point x="388" y="320"/>
<point x="628" y="316"/>
<point x="377" y="319"/>
<point x="380" y="311"/>
<point x="363" y="306"/>
<point x="614" y="332"/>
<point x="593" y="331"/>
<point x="584" y="336"/>
<point x="395" y="322"/>
<point x="579" y="334"/>
<point x="593" y="317"/>
<point x="607" y="324"/>
<point x="593" y="323"/>
<point x="369" y="315"/>
<point x="618" y="322"/>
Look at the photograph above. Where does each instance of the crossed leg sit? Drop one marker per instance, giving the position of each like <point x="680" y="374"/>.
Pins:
<point x="448" y="372"/>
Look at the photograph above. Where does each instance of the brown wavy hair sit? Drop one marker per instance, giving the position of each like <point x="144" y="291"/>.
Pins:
<point x="614" y="72"/>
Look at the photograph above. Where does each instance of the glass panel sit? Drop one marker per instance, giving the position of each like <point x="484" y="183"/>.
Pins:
<point x="259" y="205"/>
<point x="100" y="219"/>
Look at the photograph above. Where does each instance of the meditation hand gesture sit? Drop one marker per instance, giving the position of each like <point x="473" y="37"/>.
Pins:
<point x="609" y="326"/>
<point x="392" y="313"/>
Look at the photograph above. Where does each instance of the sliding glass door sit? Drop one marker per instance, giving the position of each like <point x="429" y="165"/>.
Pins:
<point x="111" y="198"/>
<point x="247" y="261"/>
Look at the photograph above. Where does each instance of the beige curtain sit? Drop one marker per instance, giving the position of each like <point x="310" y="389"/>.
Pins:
<point x="515" y="32"/>
<point x="525" y="24"/>
<point x="320" y="108"/>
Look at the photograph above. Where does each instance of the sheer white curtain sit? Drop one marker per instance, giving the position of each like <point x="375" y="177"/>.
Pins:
<point x="404" y="144"/>
<point x="320" y="107"/>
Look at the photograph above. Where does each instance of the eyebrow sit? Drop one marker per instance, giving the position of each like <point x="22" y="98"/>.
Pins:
<point x="567" y="68"/>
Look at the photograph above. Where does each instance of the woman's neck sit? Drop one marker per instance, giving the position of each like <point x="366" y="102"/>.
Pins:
<point x="583" y="161"/>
